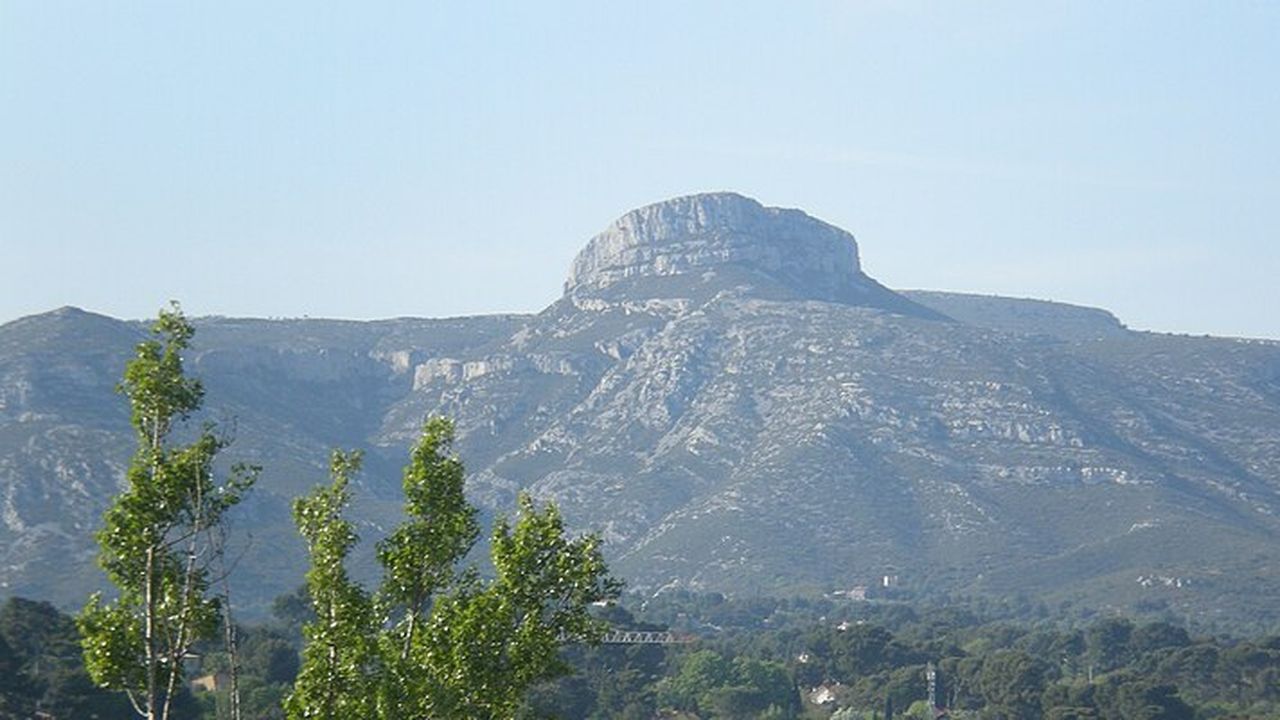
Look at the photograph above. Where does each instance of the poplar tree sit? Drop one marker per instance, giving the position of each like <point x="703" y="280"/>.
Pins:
<point x="421" y="558"/>
<point x="489" y="642"/>
<point x="155" y="544"/>
<point x="443" y="642"/>
<point x="337" y="678"/>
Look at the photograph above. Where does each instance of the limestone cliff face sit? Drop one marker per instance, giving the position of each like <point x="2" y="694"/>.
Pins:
<point x="703" y="233"/>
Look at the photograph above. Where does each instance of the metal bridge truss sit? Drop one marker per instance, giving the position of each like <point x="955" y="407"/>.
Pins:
<point x="642" y="637"/>
<point x="636" y="637"/>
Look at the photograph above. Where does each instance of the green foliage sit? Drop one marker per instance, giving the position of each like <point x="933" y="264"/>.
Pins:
<point x="1107" y="642"/>
<point x="987" y="669"/>
<point x="15" y="690"/>
<point x="699" y="672"/>
<point x="436" y="640"/>
<point x="612" y="681"/>
<point x="488" y="643"/>
<point x="710" y="684"/>
<point x="338" y="659"/>
<point x="918" y="710"/>
<point x="270" y="655"/>
<point x="419" y="557"/>
<point x="419" y="560"/>
<point x="160" y="536"/>
<point x="730" y="671"/>
<point x="1011" y="683"/>
<point x="267" y="665"/>
<point x="293" y="610"/>
<point x="41" y="667"/>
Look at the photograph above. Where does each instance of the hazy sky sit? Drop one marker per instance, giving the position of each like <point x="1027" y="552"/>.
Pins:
<point x="383" y="159"/>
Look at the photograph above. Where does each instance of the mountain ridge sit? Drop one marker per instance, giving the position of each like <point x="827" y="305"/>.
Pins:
<point x="724" y="425"/>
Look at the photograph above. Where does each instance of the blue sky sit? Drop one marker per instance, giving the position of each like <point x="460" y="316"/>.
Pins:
<point x="373" y="159"/>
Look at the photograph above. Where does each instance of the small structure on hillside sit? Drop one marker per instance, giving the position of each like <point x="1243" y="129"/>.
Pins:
<point x="824" y="694"/>
<point x="211" y="682"/>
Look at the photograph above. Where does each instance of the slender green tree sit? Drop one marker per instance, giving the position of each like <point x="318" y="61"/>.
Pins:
<point x="489" y="643"/>
<point x="419" y="560"/>
<point x="338" y="673"/>
<point x="436" y="640"/>
<point x="156" y="543"/>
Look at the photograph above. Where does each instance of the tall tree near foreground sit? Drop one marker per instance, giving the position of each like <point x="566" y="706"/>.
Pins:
<point x="335" y="681"/>
<point x="420" y="559"/>
<point x="156" y="543"/>
<point x="436" y="640"/>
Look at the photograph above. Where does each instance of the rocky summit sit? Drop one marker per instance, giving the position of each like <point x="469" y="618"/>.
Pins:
<point x="734" y="405"/>
<point x="706" y="233"/>
<point x="722" y="241"/>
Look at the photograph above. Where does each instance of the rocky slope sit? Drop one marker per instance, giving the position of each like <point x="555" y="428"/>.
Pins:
<point x="726" y="397"/>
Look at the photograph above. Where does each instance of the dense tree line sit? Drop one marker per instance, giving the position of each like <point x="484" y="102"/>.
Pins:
<point x="866" y="656"/>
<point x="42" y="668"/>
<point x="764" y="661"/>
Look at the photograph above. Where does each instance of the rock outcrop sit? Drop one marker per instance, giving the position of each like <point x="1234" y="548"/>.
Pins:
<point x="703" y="232"/>
<point x="735" y="240"/>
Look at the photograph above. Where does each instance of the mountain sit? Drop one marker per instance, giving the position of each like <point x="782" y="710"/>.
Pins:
<point x="726" y="397"/>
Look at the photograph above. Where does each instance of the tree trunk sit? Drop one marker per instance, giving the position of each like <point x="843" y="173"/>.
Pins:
<point x="149" y="631"/>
